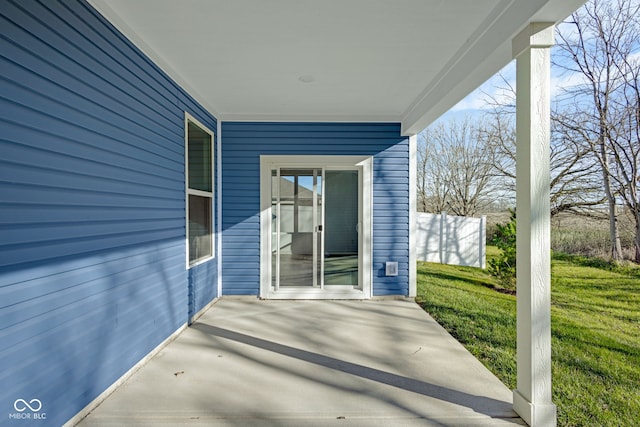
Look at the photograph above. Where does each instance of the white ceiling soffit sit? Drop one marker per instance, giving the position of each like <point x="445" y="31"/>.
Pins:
<point x="403" y="61"/>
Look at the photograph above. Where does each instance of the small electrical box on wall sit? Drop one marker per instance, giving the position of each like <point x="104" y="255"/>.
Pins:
<point x="391" y="268"/>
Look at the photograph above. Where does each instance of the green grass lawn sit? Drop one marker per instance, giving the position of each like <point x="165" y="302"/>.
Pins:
<point x="595" y="319"/>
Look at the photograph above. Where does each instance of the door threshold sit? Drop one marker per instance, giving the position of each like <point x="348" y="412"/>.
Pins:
<point x="345" y="293"/>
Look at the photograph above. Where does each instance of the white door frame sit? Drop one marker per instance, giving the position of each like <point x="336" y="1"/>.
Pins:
<point x="365" y="165"/>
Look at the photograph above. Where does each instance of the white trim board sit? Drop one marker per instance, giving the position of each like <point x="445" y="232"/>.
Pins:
<point x="413" y="206"/>
<point x="84" y="412"/>
<point x="365" y="165"/>
<point x="218" y="211"/>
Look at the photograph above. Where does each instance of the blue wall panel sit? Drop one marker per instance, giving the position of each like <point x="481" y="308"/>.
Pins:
<point x="92" y="207"/>
<point x="242" y="145"/>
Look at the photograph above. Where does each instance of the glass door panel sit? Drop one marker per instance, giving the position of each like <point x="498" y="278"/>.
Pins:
<point x="314" y="229"/>
<point x="295" y="227"/>
<point x="341" y="219"/>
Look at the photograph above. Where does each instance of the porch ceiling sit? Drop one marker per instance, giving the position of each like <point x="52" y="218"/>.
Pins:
<point x="403" y="61"/>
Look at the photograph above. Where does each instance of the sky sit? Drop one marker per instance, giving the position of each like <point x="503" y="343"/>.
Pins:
<point x="477" y="102"/>
<point x="496" y="88"/>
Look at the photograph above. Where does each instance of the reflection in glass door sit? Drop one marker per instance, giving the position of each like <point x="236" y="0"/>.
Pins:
<point x="297" y="227"/>
<point x="315" y="218"/>
<point x="341" y="219"/>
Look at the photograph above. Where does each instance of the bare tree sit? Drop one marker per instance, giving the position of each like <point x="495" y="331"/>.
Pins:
<point x="422" y="176"/>
<point x="433" y="191"/>
<point x="573" y="187"/>
<point x="599" y="43"/>
<point x="625" y="144"/>
<point x="456" y="169"/>
<point x="498" y="134"/>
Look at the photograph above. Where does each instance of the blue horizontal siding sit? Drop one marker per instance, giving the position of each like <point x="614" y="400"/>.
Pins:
<point x="92" y="207"/>
<point x="243" y="143"/>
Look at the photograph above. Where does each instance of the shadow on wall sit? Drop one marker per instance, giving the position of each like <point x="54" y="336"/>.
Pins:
<point x="72" y="326"/>
<point x="451" y="239"/>
<point x="243" y="143"/>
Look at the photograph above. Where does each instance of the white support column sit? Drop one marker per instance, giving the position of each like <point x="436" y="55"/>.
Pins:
<point x="532" y="398"/>
<point x="482" y="238"/>
<point x="442" y="238"/>
<point x="413" y="208"/>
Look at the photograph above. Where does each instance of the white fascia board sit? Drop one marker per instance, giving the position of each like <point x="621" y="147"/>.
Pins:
<point x="481" y="58"/>
<point x="557" y="10"/>
<point x="441" y="97"/>
<point x="485" y="53"/>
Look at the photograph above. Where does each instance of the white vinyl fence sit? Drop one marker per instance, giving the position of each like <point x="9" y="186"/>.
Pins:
<point x="453" y="240"/>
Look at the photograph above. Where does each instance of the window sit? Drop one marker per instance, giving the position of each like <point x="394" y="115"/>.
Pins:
<point x="199" y="176"/>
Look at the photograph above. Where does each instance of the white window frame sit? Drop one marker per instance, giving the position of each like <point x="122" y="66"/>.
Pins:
<point x="188" y="118"/>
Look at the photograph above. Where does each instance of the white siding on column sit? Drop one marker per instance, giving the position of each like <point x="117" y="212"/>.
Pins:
<point x="532" y="398"/>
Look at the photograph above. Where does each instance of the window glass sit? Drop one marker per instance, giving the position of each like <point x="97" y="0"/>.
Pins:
<point x="199" y="194"/>
<point x="199" y="159"/>
<point x="199" y="228"/>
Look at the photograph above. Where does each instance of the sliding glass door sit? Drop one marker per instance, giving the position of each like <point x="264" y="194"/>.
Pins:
<point x="314" y="228"/>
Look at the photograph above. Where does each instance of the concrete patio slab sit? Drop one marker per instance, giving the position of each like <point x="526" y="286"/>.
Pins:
<point x="311" y="363"/>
